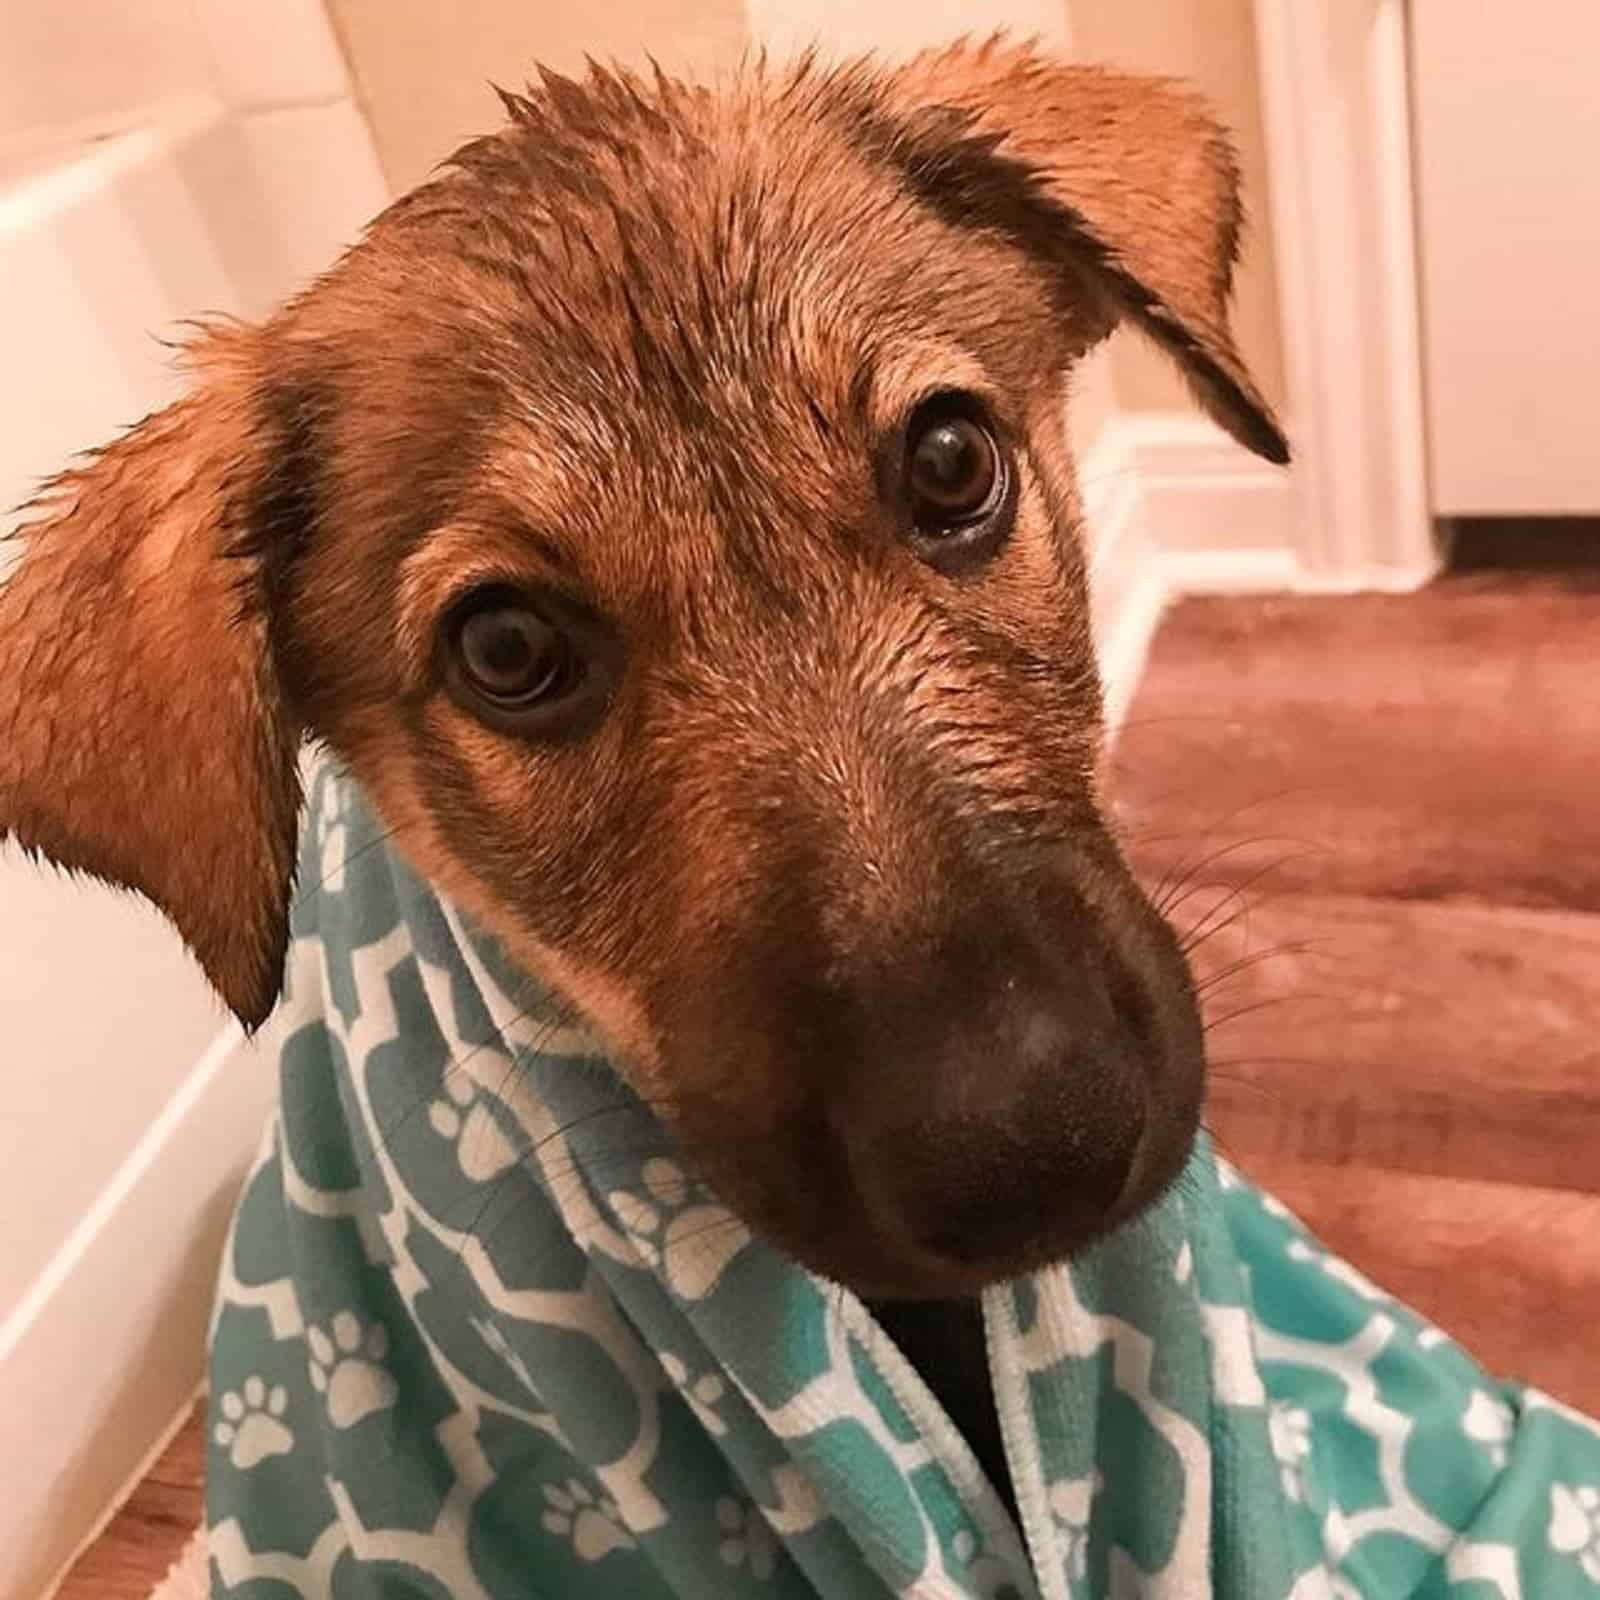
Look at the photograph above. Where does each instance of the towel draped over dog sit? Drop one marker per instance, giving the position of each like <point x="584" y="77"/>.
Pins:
<point x="481" y="1335"/>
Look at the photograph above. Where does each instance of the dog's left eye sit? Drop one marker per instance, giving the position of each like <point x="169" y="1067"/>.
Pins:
<point x="952" y="472"/>
<point x="955" y="483"/>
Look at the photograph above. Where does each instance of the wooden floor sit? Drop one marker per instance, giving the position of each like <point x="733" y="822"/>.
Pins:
<point x="133" y="1554"/>
<point x="1379" y="818"/>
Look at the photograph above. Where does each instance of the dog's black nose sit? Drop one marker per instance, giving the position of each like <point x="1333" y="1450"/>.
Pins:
<point x="1009" y="1132"/>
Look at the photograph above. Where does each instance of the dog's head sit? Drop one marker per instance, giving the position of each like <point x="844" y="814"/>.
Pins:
<point x="666" y="513"/>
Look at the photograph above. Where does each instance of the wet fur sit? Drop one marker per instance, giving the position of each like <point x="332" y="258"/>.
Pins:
<point x="835" y="853"/>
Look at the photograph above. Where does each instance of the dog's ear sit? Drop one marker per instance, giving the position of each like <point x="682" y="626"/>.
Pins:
<point x="1125" y="180"/>
<point x="143" y="734"/>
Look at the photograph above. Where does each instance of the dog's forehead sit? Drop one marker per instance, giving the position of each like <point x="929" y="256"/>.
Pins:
<point x="633" y="249"/>
<point x="679" y="314"/>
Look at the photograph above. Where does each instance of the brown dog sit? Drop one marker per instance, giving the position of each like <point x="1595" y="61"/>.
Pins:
<point x="666" y="514"/>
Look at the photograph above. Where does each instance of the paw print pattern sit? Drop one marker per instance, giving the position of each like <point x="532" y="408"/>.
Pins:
<point x="592" y="1526"/>
<point x="483" y="1151"/>
<point x="983" y="1573"/>
<point x="252" y="1429"/>
<point x="703" y="1394"/>
<point x="347" y="1369"/>
<point x="691" y="1240"/>
<point x="1070" y="1501"/>
<point x="1575" y="1524"/>
<point x="1488" y="1421"/>
<point x="1290" y="1428"/>
<point x="746" y="1539"/>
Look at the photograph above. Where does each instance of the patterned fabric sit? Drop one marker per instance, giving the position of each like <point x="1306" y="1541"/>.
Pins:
<point x="481" y="1336"/>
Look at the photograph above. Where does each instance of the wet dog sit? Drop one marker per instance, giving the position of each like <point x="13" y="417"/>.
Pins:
<point x="666" y="513"/>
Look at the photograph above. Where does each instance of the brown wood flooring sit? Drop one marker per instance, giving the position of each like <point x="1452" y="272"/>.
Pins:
<point x="132" y="1556"/>
<point x="1378" y="816"/>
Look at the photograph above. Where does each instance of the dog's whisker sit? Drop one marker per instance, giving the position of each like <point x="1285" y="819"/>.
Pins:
<point x="1204" y="929"/>
<point x="303" y="894"/>
<point x="1211" y="1024"/>
<point x="1256" y="958"/>
<point x="1196" y="885"/>
<point x="577" y="1174"/>
<point x="1167" y="899"/>
<point x="388" y="1131"/>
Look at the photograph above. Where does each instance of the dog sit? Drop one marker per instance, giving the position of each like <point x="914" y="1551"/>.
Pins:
<point x="666" y="514"/>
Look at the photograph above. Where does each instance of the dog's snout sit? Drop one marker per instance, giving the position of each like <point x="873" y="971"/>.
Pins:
<point x="990" y="1080"/>
<point x="1006" y="1117"/>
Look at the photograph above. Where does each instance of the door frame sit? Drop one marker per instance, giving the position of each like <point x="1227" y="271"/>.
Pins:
<point x="1335" y="86"/>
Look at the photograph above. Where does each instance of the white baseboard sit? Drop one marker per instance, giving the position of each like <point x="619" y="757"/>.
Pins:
<point x="1174" y="507"/>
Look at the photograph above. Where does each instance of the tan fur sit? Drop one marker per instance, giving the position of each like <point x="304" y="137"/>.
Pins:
<point x="1149" y="169"/>
<point x="649" y="352"/>
<point x="143" y="736"/>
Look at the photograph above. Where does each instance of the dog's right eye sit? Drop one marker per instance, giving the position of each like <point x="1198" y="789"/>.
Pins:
<point x="515" y="665"/>
<point x="512" y="656"/>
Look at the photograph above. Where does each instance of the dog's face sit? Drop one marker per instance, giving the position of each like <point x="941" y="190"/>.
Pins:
<point x="667" y="514"/>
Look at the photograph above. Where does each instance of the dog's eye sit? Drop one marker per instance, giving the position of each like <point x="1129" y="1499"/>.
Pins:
<point x="535" y="665"/>
<point x="955" y="483"/>
<point x="954" y="474"/>
<point x="512" y="655"/>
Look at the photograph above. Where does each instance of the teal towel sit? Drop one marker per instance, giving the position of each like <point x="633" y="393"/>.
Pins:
<point x="480" y="1335"/>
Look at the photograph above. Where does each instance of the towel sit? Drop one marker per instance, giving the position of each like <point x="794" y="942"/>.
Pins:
<point x="482" y="1334"/>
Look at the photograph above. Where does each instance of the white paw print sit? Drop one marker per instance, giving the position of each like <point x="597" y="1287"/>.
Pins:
<point x="703" y="1394"/>
<point x="594" y="1526"/>
<point x="482" y="1148"/>
<point x="1290" y="1427"/>
<point x="692" y="1240"/>
<point x="1070" y="1500"/>
<point x="746" y="1539"/>
<point x="1489" y="1422"/>
<point x="1575" y="1524"/>
<point x="331" y="822"/>
<point x="347" y="1369"/>
<point x="252" y="1429"/>
<point x="983" y="1573"/>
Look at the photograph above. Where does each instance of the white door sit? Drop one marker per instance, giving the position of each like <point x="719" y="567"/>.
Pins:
<point x="1506" y="104"/>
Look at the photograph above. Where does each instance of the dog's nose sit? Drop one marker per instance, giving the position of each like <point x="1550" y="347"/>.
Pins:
<point x="1010" y="1137"/>
<point x="978" y="1133"/>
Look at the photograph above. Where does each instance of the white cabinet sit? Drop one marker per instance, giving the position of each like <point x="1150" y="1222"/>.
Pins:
<point x="1506" y="111"/>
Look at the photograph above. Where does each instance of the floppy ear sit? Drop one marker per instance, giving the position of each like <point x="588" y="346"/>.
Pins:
<point x="143" y="736"/>
<point x="1125" y="179"/>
